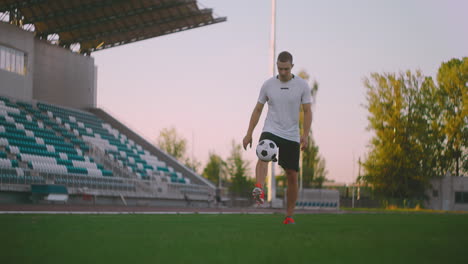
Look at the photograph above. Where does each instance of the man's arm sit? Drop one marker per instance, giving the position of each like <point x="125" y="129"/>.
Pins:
<point x="307" y="123"/>
<point x="256" y="113"/>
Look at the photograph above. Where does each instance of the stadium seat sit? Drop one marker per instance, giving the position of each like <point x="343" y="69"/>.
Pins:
<point x="49" y="139"/>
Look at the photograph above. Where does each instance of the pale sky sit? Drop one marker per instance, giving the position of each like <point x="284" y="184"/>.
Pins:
<point x="205" y="81"/>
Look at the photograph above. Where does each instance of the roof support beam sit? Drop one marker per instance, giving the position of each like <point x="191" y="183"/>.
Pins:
<point x="120" y="43"/>
<point x="101" y="24"/>
<point x="71" y="11"/>
<point x="100" y="20"/>
<point x="100" y="36"/>
<point x="20" y="4"/>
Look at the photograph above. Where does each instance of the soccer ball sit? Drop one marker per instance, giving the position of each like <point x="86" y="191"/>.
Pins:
<point x="267" y="150"/>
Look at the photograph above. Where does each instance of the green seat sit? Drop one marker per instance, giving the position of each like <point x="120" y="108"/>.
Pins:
<point x="47" y="188"/>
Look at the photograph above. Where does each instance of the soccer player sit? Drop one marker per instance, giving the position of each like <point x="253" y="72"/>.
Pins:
<point x="285" y="94"/>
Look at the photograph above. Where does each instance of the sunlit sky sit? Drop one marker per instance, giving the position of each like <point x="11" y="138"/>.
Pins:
<point x="205" y="81"/>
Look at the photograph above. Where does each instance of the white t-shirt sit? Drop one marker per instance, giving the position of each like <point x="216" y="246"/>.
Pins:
<point x="284" y="103"/>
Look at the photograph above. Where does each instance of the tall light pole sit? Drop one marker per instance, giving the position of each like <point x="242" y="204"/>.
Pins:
<point x="272" y="179"/>
<point x="273" y="38"/>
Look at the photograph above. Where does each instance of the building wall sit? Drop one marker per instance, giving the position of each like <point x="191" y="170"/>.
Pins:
<point x="62" y="77"/>
<point x="13" y="84"/>
<point x="53" y="74"/>
<point x="442" y="195"/>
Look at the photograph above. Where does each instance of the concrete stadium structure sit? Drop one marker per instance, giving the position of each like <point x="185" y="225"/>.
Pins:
<point x="51" y="73"/>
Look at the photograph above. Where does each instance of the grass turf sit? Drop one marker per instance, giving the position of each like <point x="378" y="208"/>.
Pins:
<point x="322" y="238"/>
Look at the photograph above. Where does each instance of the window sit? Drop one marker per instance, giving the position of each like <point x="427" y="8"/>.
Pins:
<point x="461" y="197"/>
<point x="12" y="60"/>
<point x="435" y="193"/>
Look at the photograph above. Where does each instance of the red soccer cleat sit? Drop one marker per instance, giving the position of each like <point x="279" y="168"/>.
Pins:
<point x="288" y="220"/>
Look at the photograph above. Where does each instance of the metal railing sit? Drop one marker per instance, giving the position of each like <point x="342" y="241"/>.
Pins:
<point x="102" y="185"/>
<point x="100" y="156"/>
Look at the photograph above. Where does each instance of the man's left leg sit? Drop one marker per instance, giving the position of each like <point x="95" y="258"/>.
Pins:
<point x="292" y="192"/>
<point x="289" y="154"/>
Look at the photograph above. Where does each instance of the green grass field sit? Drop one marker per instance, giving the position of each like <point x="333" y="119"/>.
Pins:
<point x="197" y="238"/>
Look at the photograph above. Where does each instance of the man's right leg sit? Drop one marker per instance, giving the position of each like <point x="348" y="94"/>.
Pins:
<point x="261" y="171"/>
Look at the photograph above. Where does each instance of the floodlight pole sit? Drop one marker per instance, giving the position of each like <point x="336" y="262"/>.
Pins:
<point x="272" y="179"/>
<point x="273" y="38"/>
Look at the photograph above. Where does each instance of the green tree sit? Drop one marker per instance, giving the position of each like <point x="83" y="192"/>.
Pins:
<point x="237" y="168"/>
<point x="320" y="173"/>
<point x="313" y="164"/>
<point x="420" y="129"/>
<point x="193" y="164"/>
<point x="399" y="164"/>
<point x="215" y="169"/>
<point x="427" y="128"/>
<point x="176" y="146"/>
<point x="452" y="78"/>
<point x="172" y="143"/>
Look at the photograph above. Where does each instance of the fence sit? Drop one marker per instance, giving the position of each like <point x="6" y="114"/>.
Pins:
<point x="318" y="199"/>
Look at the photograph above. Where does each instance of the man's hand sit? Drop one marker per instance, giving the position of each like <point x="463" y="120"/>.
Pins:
<point x="253" y="122"/>
<point x="247" y="140"/>
<point x="304" y="142"/>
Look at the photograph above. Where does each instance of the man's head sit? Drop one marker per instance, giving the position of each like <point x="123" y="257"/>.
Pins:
<point x="284" y="64"/>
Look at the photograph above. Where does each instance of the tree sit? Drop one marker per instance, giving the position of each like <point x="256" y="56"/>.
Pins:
<point x="313" y="164"/>
<point x="176" y="146"/>
<point x="172" y="143"/>
<point x="319" y="173"/>
<point x="404" y="152"/>
<point x="237" y="168"/>
<point x="193" y="164"/>
<point x="421" y="129"/>
<point x="453" y="80"/>
<point x="215" y="169"/>
<point x="426" y="123"/>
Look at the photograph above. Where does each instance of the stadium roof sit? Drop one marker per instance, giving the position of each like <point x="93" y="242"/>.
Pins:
<point x="101" y="24"/>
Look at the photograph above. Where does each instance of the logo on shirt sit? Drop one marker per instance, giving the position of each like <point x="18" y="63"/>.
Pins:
<point x="284" y="88"/>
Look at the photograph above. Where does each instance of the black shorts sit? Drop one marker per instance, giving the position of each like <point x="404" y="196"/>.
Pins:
<point x="289" y="151"/>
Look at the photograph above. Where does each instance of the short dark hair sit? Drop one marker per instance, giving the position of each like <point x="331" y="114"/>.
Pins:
<point x="285" y="57"/>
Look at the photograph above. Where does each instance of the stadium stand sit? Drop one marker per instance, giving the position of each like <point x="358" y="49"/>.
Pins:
<point x="52" y="134"/>
<point x="42" y="143"/>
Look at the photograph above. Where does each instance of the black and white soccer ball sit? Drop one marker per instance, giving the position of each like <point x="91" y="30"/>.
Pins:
<point x="267" y="150"/>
